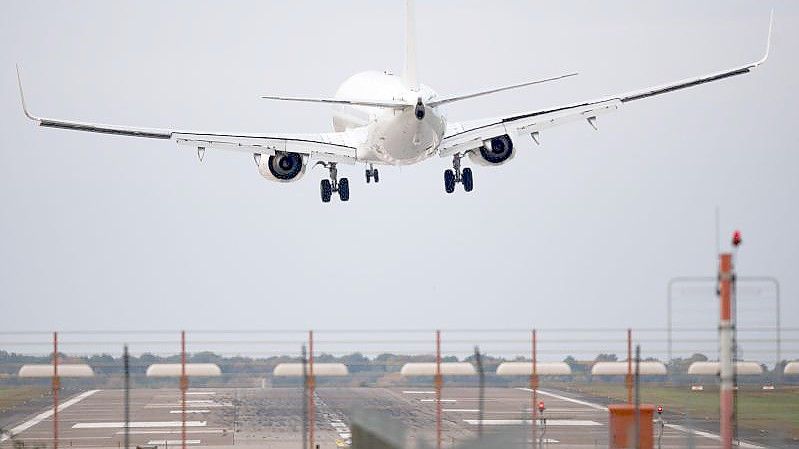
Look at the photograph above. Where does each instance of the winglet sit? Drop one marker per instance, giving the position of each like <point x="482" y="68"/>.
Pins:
<point x="22" y="97"/>
<point x="768" y="41"/>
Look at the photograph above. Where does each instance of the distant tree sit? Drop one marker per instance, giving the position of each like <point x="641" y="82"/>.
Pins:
<point x="606" y="358"/>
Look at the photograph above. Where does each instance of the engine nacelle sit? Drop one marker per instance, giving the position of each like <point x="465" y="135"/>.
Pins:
<point x="281" y="167"/>
<point x="495" y="151"/>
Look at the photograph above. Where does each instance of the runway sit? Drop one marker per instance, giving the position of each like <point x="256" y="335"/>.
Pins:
<point x="272" y="418"/>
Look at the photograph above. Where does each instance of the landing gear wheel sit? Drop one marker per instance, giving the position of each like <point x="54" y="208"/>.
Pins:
<point x="467" y="179"/>
<point x="449" y="181"/>
<point x="327" y="190"/>
<point x="376" y="175"/>
<point x="369" y="176"/>
<point x="344" y="189"/>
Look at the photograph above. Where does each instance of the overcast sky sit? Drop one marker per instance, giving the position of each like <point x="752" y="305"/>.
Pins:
<point x="105" y="232"/>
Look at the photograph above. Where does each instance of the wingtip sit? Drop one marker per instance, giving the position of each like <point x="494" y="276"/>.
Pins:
<point x="768" y="39"/>
<point x="22" y="96"/>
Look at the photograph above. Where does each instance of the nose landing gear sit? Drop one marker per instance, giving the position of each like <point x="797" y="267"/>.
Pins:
<point x="456" y="175"/>
<point x="372" y="173"/>
<point x="328" y="186"/>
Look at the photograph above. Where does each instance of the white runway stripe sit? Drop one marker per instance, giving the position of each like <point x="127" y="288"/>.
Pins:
<point x="134" y="424"/>
<point x="550" y="422"/>
<point x="175" y="412"/>
<point x="168" y="432"/>
<point x="172" y="442"/>
<point x="42" y="416"/>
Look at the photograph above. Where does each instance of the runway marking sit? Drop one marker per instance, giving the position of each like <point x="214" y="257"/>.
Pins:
<point x="460" y="410"/>
<point x="42" y="416"/>
<point x="70" y="438"/>
<point x="568" y="399"/>
<point x="418" y="392"/>
<point x="189" y="411"/>
<point x="442" y="400"/>
<point x="709" y="435"/>
<point x="517" y="422"/>
<point x="201" y="392"/>
<point x="172" y="442"/>
<point x="121" y="425"/>
<point x="679" y="428"/>
<point x="173" y="405"/>
<point x="158" y="432"/>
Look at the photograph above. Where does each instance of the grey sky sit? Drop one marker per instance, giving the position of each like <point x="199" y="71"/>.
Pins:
<point x="105" y="232"/>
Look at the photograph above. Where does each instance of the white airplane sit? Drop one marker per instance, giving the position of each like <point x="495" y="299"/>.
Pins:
<point x="383" y="119"/>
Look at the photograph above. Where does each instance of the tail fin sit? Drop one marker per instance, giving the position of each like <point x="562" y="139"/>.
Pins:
<point x="410" y="75"/>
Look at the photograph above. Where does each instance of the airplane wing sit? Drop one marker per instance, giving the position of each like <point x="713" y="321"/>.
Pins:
<point x="328" y="147"/>
<point x="462" y="137"/>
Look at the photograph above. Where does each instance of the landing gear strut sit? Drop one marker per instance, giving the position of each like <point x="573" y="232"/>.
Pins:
<point x="372" y="173"/>
<point x="328" y="186"/>
<point x="456" y="175"/>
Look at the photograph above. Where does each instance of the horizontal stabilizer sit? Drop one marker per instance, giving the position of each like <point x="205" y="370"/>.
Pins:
<point x="369" y="103"/>
<point x="497" y="89"/>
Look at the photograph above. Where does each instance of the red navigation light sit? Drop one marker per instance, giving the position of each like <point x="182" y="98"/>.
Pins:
<point x="736" y="238"/>
<point x="541" y="406"/>
<point x="660" y="409"/>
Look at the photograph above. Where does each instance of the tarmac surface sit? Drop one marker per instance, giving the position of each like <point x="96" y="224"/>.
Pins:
<point x="271" y="418"/>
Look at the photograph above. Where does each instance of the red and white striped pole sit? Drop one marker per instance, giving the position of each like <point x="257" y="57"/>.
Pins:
<point x="726" y="330"/>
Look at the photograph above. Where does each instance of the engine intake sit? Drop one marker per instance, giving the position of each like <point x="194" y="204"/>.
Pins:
<point x="282" y="167"/>
<point x="494" y="151"/>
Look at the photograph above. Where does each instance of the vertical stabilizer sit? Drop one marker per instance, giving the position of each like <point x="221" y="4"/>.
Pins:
<point x="410" y="75"/>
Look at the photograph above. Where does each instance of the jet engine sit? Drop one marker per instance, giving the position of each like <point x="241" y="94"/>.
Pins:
<point x="281" y="167"/>
<point x="494" y="151"/>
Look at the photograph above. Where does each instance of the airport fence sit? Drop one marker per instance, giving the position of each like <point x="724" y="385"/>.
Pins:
<point x="593" y="364"/>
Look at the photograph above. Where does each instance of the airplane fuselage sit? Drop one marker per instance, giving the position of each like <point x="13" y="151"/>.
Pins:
<point x="392" y="136"/>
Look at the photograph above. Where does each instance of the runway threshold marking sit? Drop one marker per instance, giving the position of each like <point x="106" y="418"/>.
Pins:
<point x="418" y="392"/>
<point x="550" y="422"/>
<point x="676" y="427"/>
<point x="175" y="412"/>
<point x="460" y="410"/>
<point x="145" y="424"/>
<point x="167" y="432"/>
<point x="442" y="400"/>
<point x="42" y="416"/>
<point x="172" y="442"/>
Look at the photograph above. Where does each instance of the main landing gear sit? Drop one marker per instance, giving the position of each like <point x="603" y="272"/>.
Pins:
<point x="456" y="175"/>
<point x="372" y="173"/>
<point x="328" y="186"/>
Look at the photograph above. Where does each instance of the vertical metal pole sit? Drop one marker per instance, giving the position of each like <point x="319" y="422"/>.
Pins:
<point x="438" y="384"/>
<point x="726" y="326"/>
<point x="534" y="386"/>
<point x="311" y="392"/>
<point x="126" y="362"/>
<point x="481" y="393"/>
<point x="56" y="388"/>
<point x="184" y="385"/>
<point x="669" y="322"/>
<point x="628" y="380"/>
<point x="304" y="399"/>
<point x="637" y="432"/>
